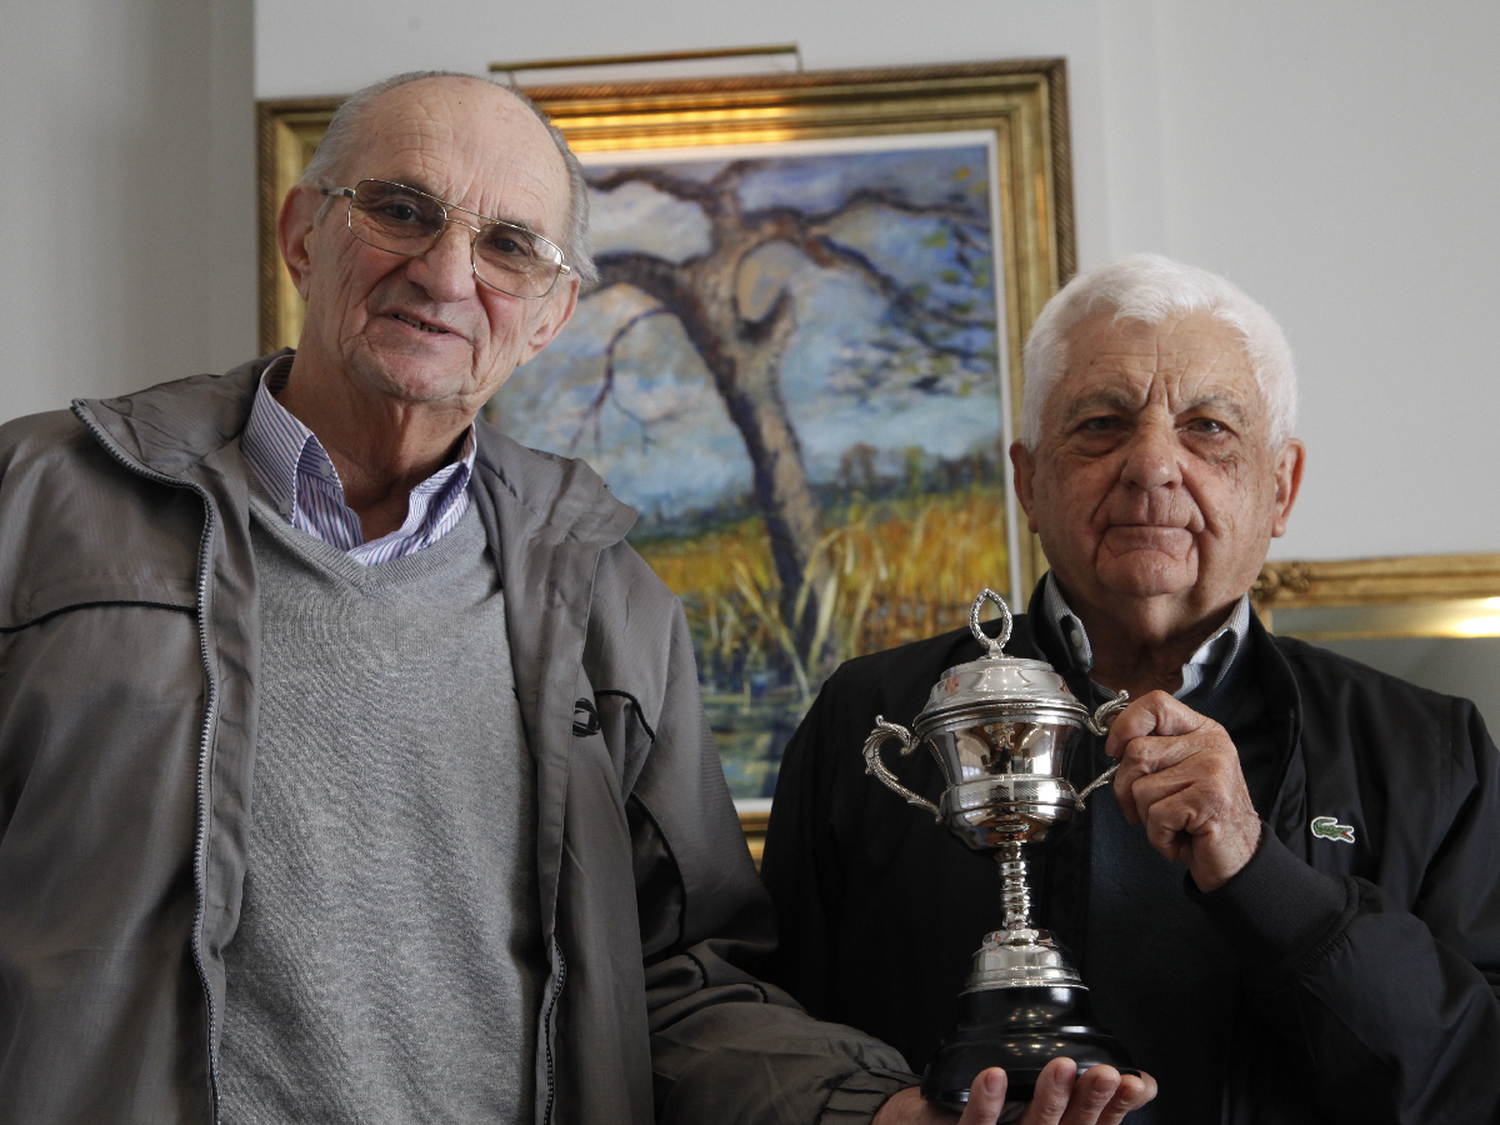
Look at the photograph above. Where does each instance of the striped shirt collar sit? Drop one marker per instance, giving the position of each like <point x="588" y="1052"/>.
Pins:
<point x="301" y="482"/>
<point x="1207" y="667"/>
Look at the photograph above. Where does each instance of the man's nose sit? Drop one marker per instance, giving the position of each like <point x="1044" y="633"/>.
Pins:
<point x="1153" y="457"/>
<point x="446" y="271"/>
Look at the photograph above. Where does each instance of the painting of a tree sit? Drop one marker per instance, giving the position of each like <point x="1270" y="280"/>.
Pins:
<point x="790" y="366"/>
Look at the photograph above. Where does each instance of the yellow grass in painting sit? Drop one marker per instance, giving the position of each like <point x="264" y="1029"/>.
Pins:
<point x="889" y="573"/>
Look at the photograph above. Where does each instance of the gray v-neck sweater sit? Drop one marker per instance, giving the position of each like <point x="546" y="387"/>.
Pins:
<point x="388" y="965"/>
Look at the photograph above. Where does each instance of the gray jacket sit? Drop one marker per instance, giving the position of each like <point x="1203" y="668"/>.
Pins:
<point x="129" y="659"/>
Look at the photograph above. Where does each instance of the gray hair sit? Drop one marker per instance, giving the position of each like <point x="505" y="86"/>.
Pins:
<point x="1152" y="288"/>
<point x="339" y="144"/>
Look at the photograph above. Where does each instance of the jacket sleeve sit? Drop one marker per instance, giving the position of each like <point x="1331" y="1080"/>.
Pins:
<point x="725" y="1046"/>
<point x="1383" y="983"/>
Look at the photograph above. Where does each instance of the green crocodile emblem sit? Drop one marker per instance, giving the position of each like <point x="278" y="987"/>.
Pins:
<point x="1328" y="828"/>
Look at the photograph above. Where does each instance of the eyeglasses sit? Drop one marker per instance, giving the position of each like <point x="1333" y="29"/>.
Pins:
<point x="402" y="220"/>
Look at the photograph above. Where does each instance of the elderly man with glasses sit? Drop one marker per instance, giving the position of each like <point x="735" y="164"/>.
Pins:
<point x="352" y="766"/>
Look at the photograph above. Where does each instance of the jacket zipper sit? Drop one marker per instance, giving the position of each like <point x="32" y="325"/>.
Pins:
<point x="200" y="843"/>
<point x="562" y="975"/>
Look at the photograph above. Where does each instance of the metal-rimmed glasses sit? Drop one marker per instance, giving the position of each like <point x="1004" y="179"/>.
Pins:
<point x="403" y="220"/>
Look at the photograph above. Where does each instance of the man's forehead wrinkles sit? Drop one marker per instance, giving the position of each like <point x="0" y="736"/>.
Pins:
<point x="1177" y="396"/>
<point x="1224" y="389"/>
<point x="1112" y="397"/>
<point x="469" y="143"/>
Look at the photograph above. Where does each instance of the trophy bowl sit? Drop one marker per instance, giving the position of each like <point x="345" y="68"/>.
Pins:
<point x="1001" y="729"/>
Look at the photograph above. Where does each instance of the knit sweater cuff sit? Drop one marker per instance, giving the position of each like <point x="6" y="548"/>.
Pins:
<point x="1276" y="908"/>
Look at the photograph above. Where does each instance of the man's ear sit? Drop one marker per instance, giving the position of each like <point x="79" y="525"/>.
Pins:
<point x="1025" y="470"/>
<point x="294" y="227"/>
<point x="1289" y="464"/>
<point x="560" y="305"/>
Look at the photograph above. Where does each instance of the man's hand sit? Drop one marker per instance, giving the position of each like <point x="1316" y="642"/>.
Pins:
<point x="1180" y="776"/>
<point x="1099" y="1096"/>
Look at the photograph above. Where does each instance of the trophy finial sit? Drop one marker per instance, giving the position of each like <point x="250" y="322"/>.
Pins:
<point x="996" y="645"/>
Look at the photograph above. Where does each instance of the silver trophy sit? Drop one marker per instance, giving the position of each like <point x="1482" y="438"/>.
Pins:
<point x="1001" y="729"/>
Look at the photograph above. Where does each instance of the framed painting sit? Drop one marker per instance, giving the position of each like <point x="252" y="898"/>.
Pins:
<point x="802" y="358"/>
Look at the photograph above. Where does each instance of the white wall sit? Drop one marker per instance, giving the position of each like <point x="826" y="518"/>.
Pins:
<point x="1340" y="161"/>
<point x="128" y="244"/>
<point x="1337" y="158"/>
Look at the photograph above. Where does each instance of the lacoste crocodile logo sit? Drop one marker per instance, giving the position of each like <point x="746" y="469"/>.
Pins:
<point x="1328" y="828"/>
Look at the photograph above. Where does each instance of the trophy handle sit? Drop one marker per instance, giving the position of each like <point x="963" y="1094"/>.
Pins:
<point x="1098" y="722"/>
<point x="883" y="732"/>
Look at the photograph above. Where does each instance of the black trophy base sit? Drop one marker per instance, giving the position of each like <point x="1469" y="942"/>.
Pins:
<point x="1019" y="1029"/>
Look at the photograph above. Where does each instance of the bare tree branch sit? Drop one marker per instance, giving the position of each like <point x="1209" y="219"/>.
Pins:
<point x="706" y="193"/>
<point x="595" y="409"/>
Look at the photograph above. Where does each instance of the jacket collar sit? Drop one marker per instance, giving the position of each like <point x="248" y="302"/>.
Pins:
<point x="563" y="498"/>
<point x="170" y="428"/>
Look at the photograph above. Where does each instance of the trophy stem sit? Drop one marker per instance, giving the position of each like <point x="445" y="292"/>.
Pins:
<point x="1015" y="896"/>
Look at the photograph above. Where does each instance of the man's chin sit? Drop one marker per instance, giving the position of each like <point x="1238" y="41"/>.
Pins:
<point x="421" y="380"/>
<point x="1143" y="574"/>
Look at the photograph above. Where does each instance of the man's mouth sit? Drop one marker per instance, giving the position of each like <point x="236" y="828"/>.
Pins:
<point x="421" y="325"/>
<point x="1148" y="536"/>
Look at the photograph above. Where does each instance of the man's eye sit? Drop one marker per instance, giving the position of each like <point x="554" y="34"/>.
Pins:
<point x="1103" y="424"/>
<point x="397" y="211"/>
<point x="500" y="242"/>
<point x="1207" y="426"/>
<point x="403" y="212"/>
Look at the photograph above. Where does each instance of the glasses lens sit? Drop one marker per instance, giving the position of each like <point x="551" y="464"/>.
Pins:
<point x="516" y="261"/>
<point x="394" y="218"/>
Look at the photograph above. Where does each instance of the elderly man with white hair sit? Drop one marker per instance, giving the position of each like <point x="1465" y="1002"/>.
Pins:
<point x="1289" y="909"/>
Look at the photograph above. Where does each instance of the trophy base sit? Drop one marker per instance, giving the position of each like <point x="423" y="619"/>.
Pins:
<point x="1019" y="1029"/>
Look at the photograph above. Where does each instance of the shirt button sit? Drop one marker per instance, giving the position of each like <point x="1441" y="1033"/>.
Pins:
<point x="1075" y="637"/>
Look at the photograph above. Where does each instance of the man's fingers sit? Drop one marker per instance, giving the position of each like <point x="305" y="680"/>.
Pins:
<point x="1154" y="734"/>
<point x="986" y="1098"/>
<point x="1054" y="1088"/>
<point x="1186" y="797"/>
<point x="1100" y="1095"/>
<point x="1146" y="773"/>
<point x="1156" y="713"/>
<point x="1133" y="1093"/>
<point x="1092" y="1092"/>
<point x="1197" y="809"/>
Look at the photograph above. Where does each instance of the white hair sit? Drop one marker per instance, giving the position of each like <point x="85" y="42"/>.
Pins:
<point x="1151" y="288"/>
<point x="344" y="135"/>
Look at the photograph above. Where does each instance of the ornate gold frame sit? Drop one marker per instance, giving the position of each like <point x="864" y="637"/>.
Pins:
<point x="287" y="132"/>
<point x="1409" y="580"/>
<point x="1023" y="102"/>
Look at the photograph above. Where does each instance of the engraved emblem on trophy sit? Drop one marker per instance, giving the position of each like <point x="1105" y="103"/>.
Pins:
<point x="1001" y="729"/>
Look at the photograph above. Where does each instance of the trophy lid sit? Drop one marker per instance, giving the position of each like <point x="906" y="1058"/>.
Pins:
<point x="1010" y="682"/>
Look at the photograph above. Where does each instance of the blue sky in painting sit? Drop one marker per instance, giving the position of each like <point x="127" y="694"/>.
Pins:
<point x="663" y="438"/>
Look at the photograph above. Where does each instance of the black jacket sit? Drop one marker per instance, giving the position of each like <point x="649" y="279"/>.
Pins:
<point x="1370" y="970"/>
